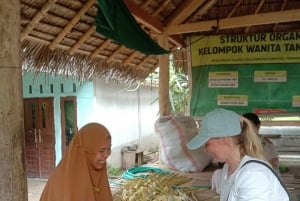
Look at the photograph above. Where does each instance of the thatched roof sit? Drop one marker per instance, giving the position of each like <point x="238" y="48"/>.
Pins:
<point x="59" y="36"/>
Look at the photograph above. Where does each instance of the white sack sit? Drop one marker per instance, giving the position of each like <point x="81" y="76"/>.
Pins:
<point x="174" y="134"/>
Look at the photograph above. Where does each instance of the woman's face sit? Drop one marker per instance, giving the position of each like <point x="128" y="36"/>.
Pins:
<point x="102" y="154"/>
<point x="215" y="147"/>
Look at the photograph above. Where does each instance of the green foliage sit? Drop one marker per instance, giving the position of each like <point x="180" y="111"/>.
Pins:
<point x="179" y="91"/>
<point x="112" y="171"/>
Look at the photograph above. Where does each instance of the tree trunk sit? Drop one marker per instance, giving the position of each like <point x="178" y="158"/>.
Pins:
<point x="13" y="183"/>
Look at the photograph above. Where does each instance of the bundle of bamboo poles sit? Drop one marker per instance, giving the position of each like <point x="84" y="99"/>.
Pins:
<point x="155" y="187"/>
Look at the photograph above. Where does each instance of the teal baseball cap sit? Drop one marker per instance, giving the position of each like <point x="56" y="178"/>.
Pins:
<point x="217" y="123"/>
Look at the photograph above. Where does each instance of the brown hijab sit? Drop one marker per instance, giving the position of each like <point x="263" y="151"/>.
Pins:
<point x="74" y="179"/>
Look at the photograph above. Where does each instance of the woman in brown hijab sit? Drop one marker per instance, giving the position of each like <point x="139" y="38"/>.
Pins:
<point x="81" y="174"/>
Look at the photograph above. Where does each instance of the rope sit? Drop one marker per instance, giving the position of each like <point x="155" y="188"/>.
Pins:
<point x="137" y="172"/>
<point x="144" y="172"/>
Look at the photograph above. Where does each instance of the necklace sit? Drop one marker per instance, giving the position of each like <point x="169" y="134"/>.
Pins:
<point x="96" y="189"/>
<point x="93" y="178"/>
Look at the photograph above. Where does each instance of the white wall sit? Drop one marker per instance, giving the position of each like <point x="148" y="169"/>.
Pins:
<point x="128" y="114"/>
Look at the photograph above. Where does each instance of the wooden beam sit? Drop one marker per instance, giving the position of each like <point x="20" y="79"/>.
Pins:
<point x="111" y="57"/>
<point x="145" y="59"/>
<point x="234" y="8"/>
<point x="164" y="77"/>
<point x="282" y="8"/>
<point x="261" y="3"/>
<point x="36" y="19"/>
<point x="146" y="3"/>
<point x="235" y="22"/>
<point x="203" y="10"/>
<point x="82" y="39"/>
<point x="145" y="18"/>
<point x="130" y="58"/>
<point x="101" y="47"/>
<point x="184" y="11"/>
<point x="70" y="25"/>
<point x="161" y="7"/>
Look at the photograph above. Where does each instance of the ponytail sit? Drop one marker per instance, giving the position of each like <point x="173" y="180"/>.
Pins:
<point x="249" y="141"/>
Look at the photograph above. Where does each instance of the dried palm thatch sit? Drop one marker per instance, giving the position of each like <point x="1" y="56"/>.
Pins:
<point x="38" y="57"/>
<point x="59" y="36"/>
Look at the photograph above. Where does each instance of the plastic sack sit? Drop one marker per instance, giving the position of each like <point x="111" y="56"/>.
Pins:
<point x="174" y="134"/>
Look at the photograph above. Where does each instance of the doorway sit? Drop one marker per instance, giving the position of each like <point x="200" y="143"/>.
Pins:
<point x="68" y="110"/>
<point x="39" y="137"/>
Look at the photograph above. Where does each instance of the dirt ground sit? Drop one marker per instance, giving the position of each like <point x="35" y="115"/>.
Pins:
<point x="35" y="188"/>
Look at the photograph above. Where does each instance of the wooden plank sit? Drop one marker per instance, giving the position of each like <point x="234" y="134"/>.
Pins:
<point x="236" y="22"/>
<point x="184" y="11"/>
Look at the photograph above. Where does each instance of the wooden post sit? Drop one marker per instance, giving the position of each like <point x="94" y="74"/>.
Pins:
<point x="13" y="183"/>
<point x="164" y="76"/>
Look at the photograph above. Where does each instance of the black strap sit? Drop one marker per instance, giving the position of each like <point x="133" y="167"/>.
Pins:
<point x="272" y="170"/>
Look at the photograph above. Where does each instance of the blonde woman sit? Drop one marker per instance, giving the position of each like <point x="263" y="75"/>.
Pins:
<point x="246" y="176"/>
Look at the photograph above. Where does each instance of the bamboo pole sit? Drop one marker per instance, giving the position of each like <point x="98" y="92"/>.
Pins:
<point x="84" y="37"/>
<point x="130" y="58"/>
<point x="13" y="183"/>
<point x="111" y="57"/>
<point x="71" y="24"/>
<point x="37" y="18"/>
<point x="144" y="60"/>
<point x="161" y="7"/>
<point x="101" y="47"/>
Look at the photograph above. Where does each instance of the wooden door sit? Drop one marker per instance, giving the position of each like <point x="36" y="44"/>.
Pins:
<point x="39" y="137"/>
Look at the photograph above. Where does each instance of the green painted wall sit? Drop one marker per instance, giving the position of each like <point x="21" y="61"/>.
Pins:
<point x="44" y="85"/>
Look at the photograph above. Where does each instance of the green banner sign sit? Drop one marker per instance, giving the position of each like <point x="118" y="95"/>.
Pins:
<point x="245" y="88"/>
<point x="246" y="73"/>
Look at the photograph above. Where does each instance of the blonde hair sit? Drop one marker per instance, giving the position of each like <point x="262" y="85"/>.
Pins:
<point x="249" y="141"/>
